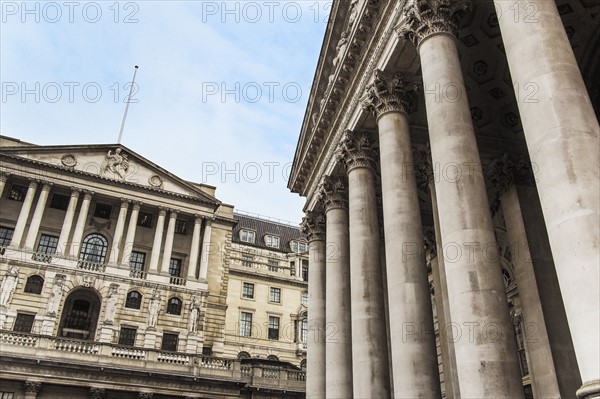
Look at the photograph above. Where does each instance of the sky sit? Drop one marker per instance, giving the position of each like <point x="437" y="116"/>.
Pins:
<point x="220" y="92"/>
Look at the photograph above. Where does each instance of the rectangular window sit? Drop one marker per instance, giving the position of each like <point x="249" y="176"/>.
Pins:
<point x="127" y="336"/>
<point x="304" y="331"/>
<point x="272" y="241"/>
<point x="137" y="260"/>
<point x="305" y="298"/>
<point x="47" y="244"/>
<point x="273" y="265"/>
<point x="246" y="260"/>
<point x="304" y="270"/>
<point x="248" y="290"/>
<point x="169" y="342"/>
<point x="24" y="323"/>
<point x="6" y="234"/>
<point x="145" y="220"/>
<point x="180" y="227"/>
<point x="7" y="395"/>
<point x="175" y="267"/>
<point x="247" y="236"/>
<point x="102" y="211"/>
<point x="273" y="327"/>
<point x="60" y="201"/>
<point x="275" y="295"/>
<point x="246" y="324"/>
<point x="17" y="193"/>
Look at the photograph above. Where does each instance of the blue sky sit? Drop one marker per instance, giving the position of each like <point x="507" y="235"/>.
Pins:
<point x="223" y="85"/>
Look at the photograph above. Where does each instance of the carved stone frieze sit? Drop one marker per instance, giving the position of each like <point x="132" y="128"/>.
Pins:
<point x="96" y="393"/>
<point x="334" y="192"/>
<point x="507" y="171"/>
<point x="313" y="225"/>
<point x="389" y="93"/>
<point x="356" y="150"/>
<point x="32" y="387"/>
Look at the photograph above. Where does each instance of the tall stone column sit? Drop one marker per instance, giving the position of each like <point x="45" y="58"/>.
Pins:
<point x="80" y="225"/>
<point x="413" y="351"/>
<point x="166" y="260"/>
<point x="205" y="248"/>
<point x="65" y="231"/>
<point x="562" y="134"/>
<point x="156" y="245"/>
<point x="486" y="355"/>
<point x="3" y="180"/>
<point x="32" y="388"/>
<point x="313" y="225"/>
<point x="194" y="250"/>
<point x="369" y="342"/>
<point x="338" y="348"/>
<point x="116" y="245"/>
<point x="36" y="219"/>
<point x="23" y="215"/>
<point x="131" y="229"/>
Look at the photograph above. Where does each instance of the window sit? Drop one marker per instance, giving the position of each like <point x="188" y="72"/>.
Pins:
<point x="248" y="290"/>
<point x="303" y="365"/>
<point x="273" y="327"/>
<point x="17" y="193"/>
<point x="180" y="227"/>
<point x="127" y="336"/>
<point x="304" y="331"/>
<point x="137" y="260"/>
<point x="275" y="295"/>
<point x="7" y="395"/>
<point x="304" y="270"/>
<point x="298" y="246"/>
<point x="175" y="267"/>
<point x="247" y="236"/>
<point x="134" y="300"/>
<point x="273" y="265"/>
<point x="169" y="342"/>
<point x="34" y="284"/>
<point x="145" y="219"/>
<point x="272" y="241"/>
<point x="273" y="357"/>
<point x="24" y="323"/>
<point x="60" y="201"/>
<point x="6" y="234"/>
<point x="102" y="211"/>
<point x="174" y="306"/>
<point x="246" y="324"/>
<point x="94" y="248"/>
<point x="207" y="351"/>
<point x="247" y="260"/>
<point x="243" y="355"/>
<point x="47" y="244"/>
<point x="305" y="298"/>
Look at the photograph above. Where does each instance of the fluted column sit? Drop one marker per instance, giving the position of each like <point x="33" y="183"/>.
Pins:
<point x="369" y="341"/>
<point x="65" y="231"/>
<point x="131" y="229"/>
<point x="116" y="245"/>
<point x="413" y="351"/>
<point x="23" y="215"/>
<point x="166" y="260"/>
<point x="3" y="179"/>
<point x="338" y="349"/>
<point x="194" y="249"/>
<point x="562" y="134"/>
<point x="487" y="364"/>
<point x="36" y="219"/>
<point x="156" y="245"/>
<point x="313" y="225"/>
<point x="205" y="248"/>
<point x="80" y="225"/>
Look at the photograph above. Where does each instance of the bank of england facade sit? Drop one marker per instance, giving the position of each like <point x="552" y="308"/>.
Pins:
<point x="461" y="137"/>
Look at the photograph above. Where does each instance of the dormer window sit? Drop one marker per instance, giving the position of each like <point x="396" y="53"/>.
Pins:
<point x="272" y="241"/>
<point x="298" y="246"/>
<point x="247" y="236"/>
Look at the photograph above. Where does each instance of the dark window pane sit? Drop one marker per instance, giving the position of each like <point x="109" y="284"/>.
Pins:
<point x="6" y="234"/>
<point x="127" y="336"/>
<point x="304" y="270"/>
<point x="174" y="306"/>
<point x="246" y="324"/>
<point x="145" y="219"/>
<point x="180" y="227"/>
<point x="273" y="327"/>
<point x="169" y="342"/>
<point x="248" y="290"/>
<point x="275" y="295"/>
<point x="34" y="284"/>
<point x="134" y="300"/>
<point x="175" y="267"/>
<point x="60" y="201"/>
<point x="103" y="211"/>
<point x="17" y="193"/>
<point x="137" y="260"/>
<point x="94" y="248"/>
<point x="47" y="244"/>
<point x="24" y="323"/>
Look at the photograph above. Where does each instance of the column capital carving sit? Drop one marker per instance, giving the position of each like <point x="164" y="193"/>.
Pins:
<point x="334" y="192"/>
<point x="208" y="220"/>
<point x="162" y="210"/>
<point x="356" y="151"/>
<point x="125" y="202"/>
<point x="503" y="173"/>
<point x="145" y="395"/>
<point x="136" y="204"/>
<point x="198" y="218"/>
<point x="96" y="393"/>
<point x="387" y="93"/>
<point x="46" y="185"/>
<point x="429" y="244"/>
<point x="87" y="194"/>
<point x="33" y="183"/>
<point x="423" y="166"/>
<point x="173" y="212"/>
<point x="313" y="225"/>
<point x="423" y="18"/>
<point x="4" y="176"/>
<point x="32" y="387"/>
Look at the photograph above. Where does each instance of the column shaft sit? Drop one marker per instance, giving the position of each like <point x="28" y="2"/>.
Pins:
<point x="80" y="225"/>
<point x="65" y="231"/>
<point x="130" y="238"/>
<point x="23" y="215"/>
<point x="158" y="233"/>
<point x="167" y="252"/>
<point x="193" y="263"/>
<point x="116" y="245"/>
<point x="3" y="179"/>
<point x="36" y="220"/>
<point x="205" y="249"/>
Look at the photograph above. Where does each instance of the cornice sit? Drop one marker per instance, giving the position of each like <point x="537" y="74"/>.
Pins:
<point x="266" y="277"/>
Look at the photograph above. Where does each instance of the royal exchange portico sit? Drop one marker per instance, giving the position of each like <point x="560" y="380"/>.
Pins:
<point x="468" y="123"/>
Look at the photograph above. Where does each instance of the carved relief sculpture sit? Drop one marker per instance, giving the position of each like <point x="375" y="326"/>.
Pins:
<point x="153" y="309"/>
<point x="56" y="295"/>
<point x="111" y="303"/>
<point x="194" y="313"/>
<point x="8" y="286"/>
<point x="116" y="163"/>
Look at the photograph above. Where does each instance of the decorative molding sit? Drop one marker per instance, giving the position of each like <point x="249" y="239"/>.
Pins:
<point x="504" y="173"/>
<point x="69" y="160"/>
<point x="32" y="387"/>
<point x="356" y="151"/>
<point x="389" y="93"/>
<point x="155" y="181"/>
<point x="313" y="225"/>
<point x="334" y="192"/>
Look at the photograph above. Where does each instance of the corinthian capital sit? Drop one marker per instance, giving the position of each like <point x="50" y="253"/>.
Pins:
<point x="423" y="166"/>
<point x="507" y="171"/>
<point x="389" y="93"/>
<point x="334" y="192"/>
<point x="423" y="18"/>
<point x="313" y="225"/>
<point x="356" y="150"/>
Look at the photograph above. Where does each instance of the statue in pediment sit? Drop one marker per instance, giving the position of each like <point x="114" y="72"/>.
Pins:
<point x="116" y="162"/>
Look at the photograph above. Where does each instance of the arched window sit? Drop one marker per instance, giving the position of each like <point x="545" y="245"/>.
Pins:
<point x="134" y="300"/>
<point x="94" y="248"/>
<point x="273" y="357"/>
<point x="303" y="364"/>
<point x="34" y="284"/>
<point x="174" y="306"/>
<point x="243" y="355"/>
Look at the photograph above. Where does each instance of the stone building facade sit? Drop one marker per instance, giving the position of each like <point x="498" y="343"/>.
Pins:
<point x="115" y="282"/>
<point x="473" y="125"/>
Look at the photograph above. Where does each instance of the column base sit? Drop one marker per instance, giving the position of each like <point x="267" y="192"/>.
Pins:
<point x="589" y="390"/>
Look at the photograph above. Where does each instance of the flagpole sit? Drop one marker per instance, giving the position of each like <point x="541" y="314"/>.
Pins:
<point x="127" y="106"/>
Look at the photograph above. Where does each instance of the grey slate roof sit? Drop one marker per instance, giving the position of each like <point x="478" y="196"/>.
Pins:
<point x="262" y="227"/>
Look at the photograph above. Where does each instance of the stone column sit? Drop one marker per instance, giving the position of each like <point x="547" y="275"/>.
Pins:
<point x="23" y="215"/>
<point x="486" y="355"/>
<point x="32" y="388"/>
<point x="3" y="179"/>
<point x="413" y="349"/>
<point x="131" y="229"/>
<point x="168" y="250"/>
<point x="338" y="347"/>
<point x="562" y="134"/>
<point x="313" y="225"/>
<point x="158" y="233"/>
<point x="36" y="220"/>
<point x="80" y="225"/>
<point x="205" y="248"/>
<point x="194" y="250"/>
<point x="63" y="239"/>
<point x="369" y="347"/>
<point x="115" y="250"/>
